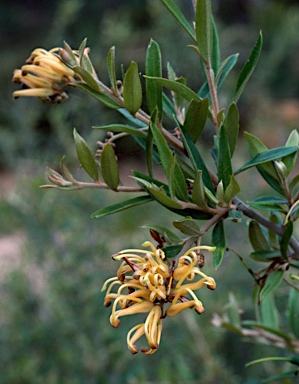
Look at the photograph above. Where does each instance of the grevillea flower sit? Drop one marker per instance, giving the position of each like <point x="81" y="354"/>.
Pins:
<point x="147" y="282"/>
<point x="44" y="76"/>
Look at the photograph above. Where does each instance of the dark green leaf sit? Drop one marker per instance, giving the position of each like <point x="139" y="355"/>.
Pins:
<point x="203" y="28"/>
<point x="111" y="68"/>
<point x="231" y="124"/>
<point x="175" y="11"/>
<point x="285" y="239"/>
<point x="215" y="56"/>
<point x="166" y="158"/>
<point x="153" y="67"/>
<point x="187" y="227"/>
<point x="85" y="156"/>
<point x="132" y="90"/>
<point x="121" y="206"/>
<point x="132" y="119"/>
<point x="289" y="161"/>
<point x="248" y="68"/>
<point x="165" y="232"/>
<point x="162" y="198"/>
<point x="218" y="241"/>
<point x="270" y="155"/>
<point x="122" y="128"/>
<point x="225" y="68"/>
<point x="272" y="283"/>
<point x="293" y="311"/>
<point x="232" y="190"/>
<point x="196" y="117"/>
<point x="198" y="193"/>
<point x="265" y="256"/>
<point x="224" y="159"/>
<point x="149" y="152"/>
<point x="88" y="78"/>
<point x="269" y="313"/>
<point x="172" y="250"/>
<point x="257" y="237"/>
<point x="197" y="160"/>
<point x="109" y="167"/>
<point x="168" y="107"/>
<point x="102" y="97"/>
<point x="175" y="86"/>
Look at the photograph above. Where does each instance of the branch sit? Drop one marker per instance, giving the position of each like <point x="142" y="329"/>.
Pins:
<point x="278" y="229"/>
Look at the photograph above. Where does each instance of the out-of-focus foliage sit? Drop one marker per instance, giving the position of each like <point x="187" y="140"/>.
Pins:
<point x="52" y="325"/>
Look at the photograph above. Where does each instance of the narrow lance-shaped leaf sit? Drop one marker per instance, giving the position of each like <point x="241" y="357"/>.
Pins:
<point x="248" y="68"/>
<point x="271" y="154"/>
<point x="166" y="158"/>
<point x="197" y="160"/>
<point x="226" y="66"/>
<point x="122" y="206"/>
<point x="232" y="190"/>
<point x="187" y="227"/>
<point x="132" y="90"/>
<point x="285" y="239"/>
<point x="203" y="28"/>
<point x="162" y="198"/>
<point x="218" y="241"/>
<point x="175" y="86"/>
<point x="105" y="99"/>
<point x="111" y="67"/>
<point x="272" y="283"/>
<point x="198" y="193"/>
<point x="231" y="124"/>
<point x="153" y="67"/>
<point x="257" y="237"/>
<point x="289" y="161"/>
<point x="224" y="158"/>
<point x="175" y="11"/>
<point x="196" y="117"/>
<point x="88" y="78"/>
<point x="85" y="156"/>
<point x="109" y="167"/>
<point x="215" y="56"/>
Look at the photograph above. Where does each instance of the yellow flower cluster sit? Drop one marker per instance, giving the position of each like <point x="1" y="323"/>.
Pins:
<point x="148" y="283"/>
<point x="44" y="76"/>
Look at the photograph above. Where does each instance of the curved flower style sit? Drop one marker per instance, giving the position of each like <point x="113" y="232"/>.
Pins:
<point x="44" y="76"/>
<point x="151" y="282"/>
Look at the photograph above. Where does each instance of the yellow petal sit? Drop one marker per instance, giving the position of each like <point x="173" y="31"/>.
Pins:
<point x="35" y="92"/>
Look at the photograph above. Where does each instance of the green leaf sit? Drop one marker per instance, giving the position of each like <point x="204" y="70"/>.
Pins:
<point x="215" y="56"/>
<point x="109" y="167"/>
<point x="198" y="193"/>
<point x="268" y="203"/>
<point x="85" y="156"/>
<point x="270" y="155"/>
<point x="218" y="241"/>
<point x="272" y="283"/>
<point x="175" y="11"/>
<point x="166" y="157"/>
<point x="269" y="313"/>
<point x="175" y="86"/>
<point x="235" y="216"/>
<point x="168" y="106"/>
<point x="162" y="198"/>
<point x="149" y="148"/>
<point x="172" y="250"/>
<point x="231" y="124"/>
<point x="289" y="161"/>
<point x="122" y="128"/>
<point x="88" y="78"/>
<point x="122" y="206"/>
<point x="132" y="90"/>
<point x="293" y="311"/>
<point x="111" y="68"/>
<point x="203" y="28"/>
<point x="248" y="68"/>
<point x="265" y="255"/>
<point x="187" y="227"/>
<point x="102" y="97"/>
<point x="257" y="237"/>
<point x="232" y="190"/>
<point x="196" y="117"/>
<point x="224" y="159"/>
<point x="226" y="66"/>
<point x="285" y="239"/>
<point x="153" y="67"/>
<point x="197" y="160"/>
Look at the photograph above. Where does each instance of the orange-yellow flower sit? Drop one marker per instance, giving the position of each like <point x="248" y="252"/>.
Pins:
<point x="147" y="282"/>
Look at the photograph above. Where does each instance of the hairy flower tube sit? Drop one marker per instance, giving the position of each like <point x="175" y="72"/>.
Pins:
<point x="148" y="282"/>
<point x="44" y="76"/>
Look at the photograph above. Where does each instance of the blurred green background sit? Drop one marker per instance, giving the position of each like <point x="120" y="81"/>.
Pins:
<point x="54" y="258"/>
